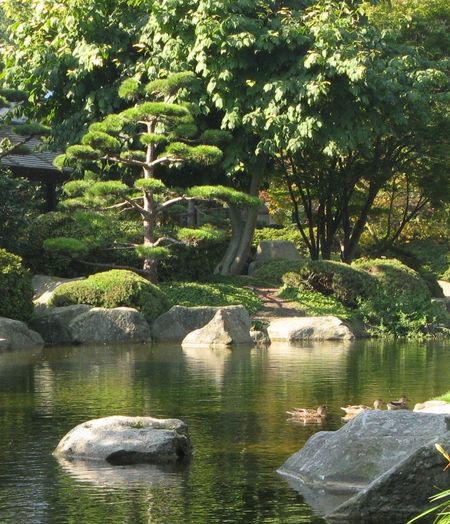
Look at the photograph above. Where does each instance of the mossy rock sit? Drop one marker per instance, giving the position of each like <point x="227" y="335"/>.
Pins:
<point x="16" y="299"/>
<point x="112" y="289"/>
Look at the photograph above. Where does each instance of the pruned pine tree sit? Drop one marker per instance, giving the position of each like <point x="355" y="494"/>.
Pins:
<point x="154" y="132"/>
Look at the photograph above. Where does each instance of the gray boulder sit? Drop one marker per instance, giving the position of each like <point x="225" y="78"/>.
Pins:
<point x="228" y="327"/>
<point x="269" y="250"/>
<point x="127" y="440"/>
<point x="380" y="467"/>
<point x="44" y="286"/>
<point x="17" y="335"/>
<point x="175" y="324"/>
<point x="309" y="328"/>
<point x="102" y="325"/>
<point x="53" y="323"/>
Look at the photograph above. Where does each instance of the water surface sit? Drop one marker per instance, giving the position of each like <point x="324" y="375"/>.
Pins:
<point x="233" y="401"/>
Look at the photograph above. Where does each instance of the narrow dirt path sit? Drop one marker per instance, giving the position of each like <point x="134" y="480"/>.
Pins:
<point x="274" y="306"/>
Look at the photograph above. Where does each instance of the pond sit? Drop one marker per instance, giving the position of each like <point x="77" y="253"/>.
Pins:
<point x="234" y="402"/>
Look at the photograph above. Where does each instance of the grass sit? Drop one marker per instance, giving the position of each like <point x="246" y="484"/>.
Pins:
<point x="192" y="294"/>
<point x="445" y="396"/>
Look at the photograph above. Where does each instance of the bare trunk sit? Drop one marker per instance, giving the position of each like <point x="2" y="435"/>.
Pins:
<point x="243" y="229"/>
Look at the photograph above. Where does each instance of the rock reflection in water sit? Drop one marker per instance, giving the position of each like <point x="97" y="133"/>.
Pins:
<point x="103" y="475"/>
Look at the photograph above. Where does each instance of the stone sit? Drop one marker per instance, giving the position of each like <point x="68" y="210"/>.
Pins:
<point x="259" y="337"/>
<point x="102" y="325"/>
<point x="127" y="440"/>
<point x="433" y="406"/>
<point x="175" y="324"/>
<point x="382" y="466"/>
<point x="53" y="323"/>
<point x="17" y="335"/>
<point x="309" y="328"/>
<point x="228" y="327"/>
<point x="269" y="250"/>
<point x="44" y="287"/>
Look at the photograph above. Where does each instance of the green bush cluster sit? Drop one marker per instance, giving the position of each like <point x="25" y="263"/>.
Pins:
<point x="346" y="283"/>
<point x="401" y="301"/>
<point x="114" y="289"/>
<point x="389" y="297"/>
<point x="431" y="255"/>
<point x="271" y="273"/>
<point x="210" y="294"/>
<point x="16" y="297"/>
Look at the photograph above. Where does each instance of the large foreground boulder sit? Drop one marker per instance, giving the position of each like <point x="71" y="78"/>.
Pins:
<point x="102" y="325"/>
<point x="228" y="327"/>
<point x="380" y="467"/>
<point x="53" y="323"/>
<point x="16" y="335"/>
<point x="127" y="440"/>
<point x="309" y="328"/>
<point x="175" y="324"/>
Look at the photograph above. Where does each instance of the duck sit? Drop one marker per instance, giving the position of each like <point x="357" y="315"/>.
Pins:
<point x="359" y="408"/>
<point x="309" y="414"/>
<point x="401" y="403"/>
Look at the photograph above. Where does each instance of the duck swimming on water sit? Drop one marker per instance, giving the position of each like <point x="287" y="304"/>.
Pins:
<point x="309" y="414"/>
<point x="359" y="408"/>
<point x="401" y="403"/>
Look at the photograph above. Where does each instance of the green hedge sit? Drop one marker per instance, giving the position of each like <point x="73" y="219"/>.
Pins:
<point x="346" y="283"/>
<point x="271" y="273"/>
<point x="114" y="289"/>
<point x="389" y="297"/>
<point x="210" y="294"/>
<point x="401" y="301"/>
<point x="16" y="297"/>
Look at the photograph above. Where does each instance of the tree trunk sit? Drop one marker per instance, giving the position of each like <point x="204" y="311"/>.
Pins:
<point x="243" y="229"/>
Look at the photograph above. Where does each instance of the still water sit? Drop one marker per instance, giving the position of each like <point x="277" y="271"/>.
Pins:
<point x="233" y="401"/>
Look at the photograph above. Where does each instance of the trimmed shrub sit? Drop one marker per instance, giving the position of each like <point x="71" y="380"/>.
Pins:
<point x="112" y="289"/>
<point x="315" y="304"/>
<point x="400" y="303"/>
<point x="16" y="296"/>
<point x="346" y="283"/>
<point x="210" y="294"/>
<point x="271" y="273"/>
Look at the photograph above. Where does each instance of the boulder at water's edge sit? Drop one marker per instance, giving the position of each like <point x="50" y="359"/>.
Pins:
<point x="127" y="440"/>
<point x="380" y="467"/>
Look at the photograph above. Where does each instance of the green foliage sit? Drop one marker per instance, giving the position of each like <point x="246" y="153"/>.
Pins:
<point x="148" y="110"/>
<point x="16" y="298"/>
<point x="169" y="86"/>
<point x="31" y="129"/>
<point x="72" y="247"/>
<point x="76" y="188"/>
<point x="272" y="272"/>
<point x="216" y="137"/>
<point x="152" y="138"/>
<point x="224" y="194"/>
<point x="210" y="294"/>
<point x="316" y="304"/>
<point x="112" y="289"/>
<point x="18" y="209"/>
<point x="154" y="185"/>
<point x="102" y="141"/>
<point x="79" y="152"/>
<point x="400" y="303"/>
<point x="205" y="232"/>
<point x="431" y="255"/>
<point x="130" y="89"/>
<point x="346" y="283"/>
<point x="153" y="252"/>
<point x="292" y="234"/>
<point x="107" y="188"/>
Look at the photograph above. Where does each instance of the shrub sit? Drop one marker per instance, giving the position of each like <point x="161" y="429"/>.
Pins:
<point x="210" y="294"/>
<point x="114" y="289"/>
<point x="16" y="297"/>
<point x="346" y="283"/>
<point x="400" y="304"/>
<point x="271" y="273"/>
